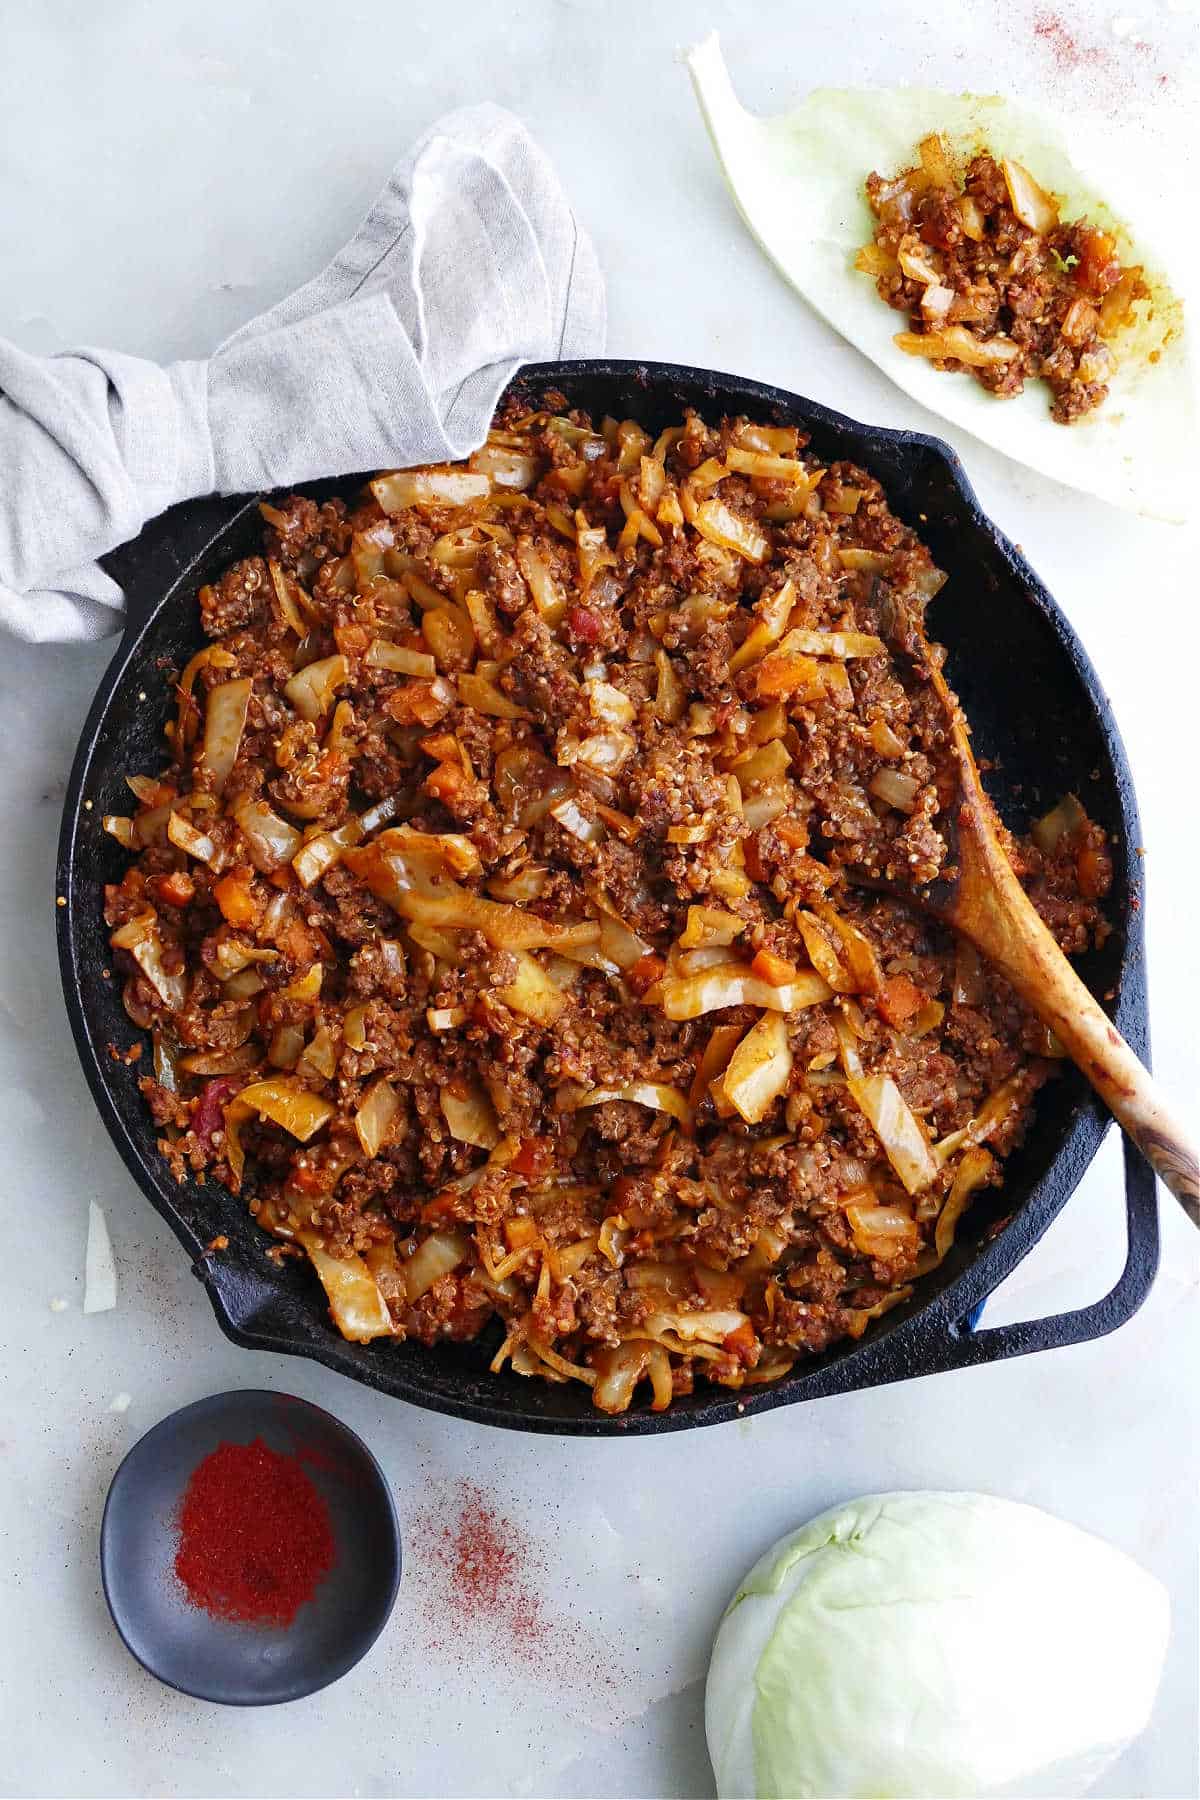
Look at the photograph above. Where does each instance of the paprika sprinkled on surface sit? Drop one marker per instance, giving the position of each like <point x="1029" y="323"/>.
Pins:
<point x="483" y="1556"/>
<point x="1104" y="71"/>
<point x="484" y="1569"/>
<point x="488" y="1594"/>
<point x="1066" y="48"/>
<point x="255" y="1539"/>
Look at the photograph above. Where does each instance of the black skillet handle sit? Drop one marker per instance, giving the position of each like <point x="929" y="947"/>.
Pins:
<point x="958" y="1344"/>
<point x="164" y="552"/>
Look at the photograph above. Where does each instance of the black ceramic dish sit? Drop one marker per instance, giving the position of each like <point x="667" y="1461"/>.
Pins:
<point x="1037" y="709"/>
<point x="216" y="1659"/>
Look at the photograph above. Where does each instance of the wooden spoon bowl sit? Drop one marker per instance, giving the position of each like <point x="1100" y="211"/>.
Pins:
<point x="981" y="897"/>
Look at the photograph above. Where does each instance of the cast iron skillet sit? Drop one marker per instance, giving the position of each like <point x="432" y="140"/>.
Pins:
<point x="1037" y="708"/>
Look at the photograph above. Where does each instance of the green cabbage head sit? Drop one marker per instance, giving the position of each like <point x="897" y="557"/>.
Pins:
<point x="932" y="1645"/>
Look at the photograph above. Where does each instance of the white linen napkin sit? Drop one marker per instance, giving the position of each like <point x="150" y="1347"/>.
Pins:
<point x="470" y="263"/>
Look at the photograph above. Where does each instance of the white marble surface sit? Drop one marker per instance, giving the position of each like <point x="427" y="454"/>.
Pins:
<point x="167" y="170"/>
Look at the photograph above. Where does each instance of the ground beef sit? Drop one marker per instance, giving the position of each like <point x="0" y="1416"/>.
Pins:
<point x="242" y="597"/>
<point x="460" y="975"/>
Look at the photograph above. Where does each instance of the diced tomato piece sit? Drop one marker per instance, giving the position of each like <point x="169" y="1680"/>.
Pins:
<point x="308" y="1178"/>
<point x="439" y="1209"/>
<point x="645" y="972"/>
<point x="583" y="624"/>
<point x="209" y="1115"/>
<point x="533" y="1158"/>
<point x="756" y="868"/>
<point x="1097" y="267"/>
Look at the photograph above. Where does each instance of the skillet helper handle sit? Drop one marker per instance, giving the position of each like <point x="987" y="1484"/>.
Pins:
<point x="1128" y="1089"/>
<point x="163" y="552"/>
<point x="1045" y="979"/>
<point x="965" y="1345"/>
<point x="993" y="909"/>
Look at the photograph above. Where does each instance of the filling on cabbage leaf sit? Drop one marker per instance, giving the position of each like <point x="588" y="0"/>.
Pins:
<point x="799" y="181"/>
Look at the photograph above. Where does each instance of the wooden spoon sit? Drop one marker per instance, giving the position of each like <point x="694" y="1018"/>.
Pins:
<point x="982" y="898"/>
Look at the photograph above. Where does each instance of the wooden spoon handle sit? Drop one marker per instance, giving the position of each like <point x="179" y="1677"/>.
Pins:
<point x="1003" y="922"/>
<point x="1124" y="1083"/>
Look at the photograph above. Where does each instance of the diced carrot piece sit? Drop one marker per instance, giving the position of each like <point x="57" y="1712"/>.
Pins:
<point x="175" y="889"/>
<point x="419" y="702"/>
<point x="900" y="1000"/>
<point x="742" y="1344"/>
<point x="775" y="969"/>
<point x="445" y="782"/>
<point x="799" y="676"/>
<point x="441" y="745"/>
<point x="1093" y="869"/>
<point x="234" y="897"/>
<point x="351" y="640"/>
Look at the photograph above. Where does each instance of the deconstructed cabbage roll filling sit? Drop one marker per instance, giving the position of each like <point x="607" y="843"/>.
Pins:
<point x="507" y="924"/>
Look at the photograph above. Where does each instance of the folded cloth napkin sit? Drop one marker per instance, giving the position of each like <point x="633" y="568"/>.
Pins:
<point x="469" y="263"/>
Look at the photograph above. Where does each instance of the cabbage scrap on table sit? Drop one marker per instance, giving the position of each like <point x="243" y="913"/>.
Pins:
<point x="800" y="183"/>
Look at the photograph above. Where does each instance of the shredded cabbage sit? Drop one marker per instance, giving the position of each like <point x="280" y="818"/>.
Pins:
<point x="374" y="1117"/>
<point x="224" y="724"/>
<point x="359" y="1310"/>
<point x="654" y="1094"/>
<point x="759" y="1069"/>
<point x="470" y="1115"/>
<point x="734" y="985"/>
<point x="440" y="1254"/>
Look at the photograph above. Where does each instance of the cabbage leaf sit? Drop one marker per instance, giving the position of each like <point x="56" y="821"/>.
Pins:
<point x="798" y="182"/>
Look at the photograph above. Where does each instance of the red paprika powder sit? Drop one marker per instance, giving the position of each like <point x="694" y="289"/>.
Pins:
<point x="255" y="1539"/>
<point x="484" y="1563"/>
